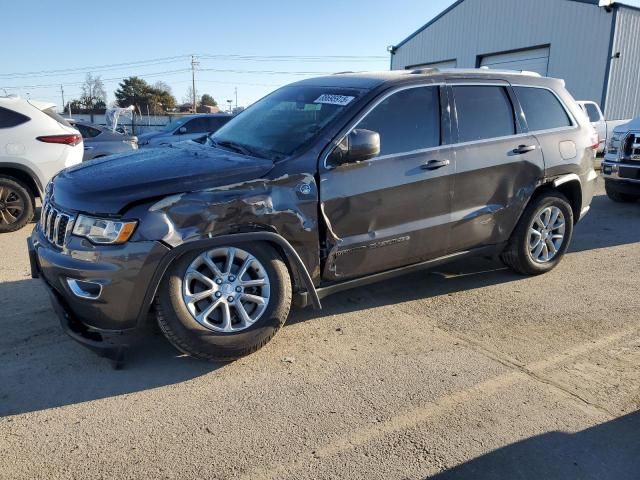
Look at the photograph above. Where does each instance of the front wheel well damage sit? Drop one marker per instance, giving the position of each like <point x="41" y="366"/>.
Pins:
<point x="300" y="277"/>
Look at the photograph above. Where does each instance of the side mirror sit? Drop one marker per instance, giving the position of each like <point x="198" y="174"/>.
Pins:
<point x="182" y="130"/>
<point x="358" y="146"/>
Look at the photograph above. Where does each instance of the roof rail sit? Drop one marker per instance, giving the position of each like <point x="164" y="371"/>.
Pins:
<point x="419" y="71"/>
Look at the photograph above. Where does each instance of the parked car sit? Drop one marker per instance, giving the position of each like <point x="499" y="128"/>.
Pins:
<point x="602" y="126"/>
<point x="99" y="141"/>
<point x="323" y="185"/>
<point x="35" y="143"/>
<point x="184" y="128"/>
<point x="621" y="164"/>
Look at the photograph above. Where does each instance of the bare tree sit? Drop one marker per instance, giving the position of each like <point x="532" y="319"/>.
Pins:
<point x="188" y="98"/>
<point x="93" y="91"/>
<point x="163" y="87"/>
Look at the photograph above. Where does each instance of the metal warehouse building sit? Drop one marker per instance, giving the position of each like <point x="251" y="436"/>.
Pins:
<point x="595" y="49"/>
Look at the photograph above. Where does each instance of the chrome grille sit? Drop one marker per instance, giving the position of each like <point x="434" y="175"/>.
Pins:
<point x="632" y="147"/>
<point x="55" y="224"/>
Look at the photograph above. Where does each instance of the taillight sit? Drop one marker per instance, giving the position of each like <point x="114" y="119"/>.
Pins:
<point x="70" y="139"/>
<point x="595" y="141"/>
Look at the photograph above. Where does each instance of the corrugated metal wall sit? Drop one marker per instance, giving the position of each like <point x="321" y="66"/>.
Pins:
<point x="623" y="94"/>
<point x="578" y="33"/>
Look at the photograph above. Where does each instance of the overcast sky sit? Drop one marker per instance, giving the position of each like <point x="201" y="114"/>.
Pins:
<point x="43" y="36"/>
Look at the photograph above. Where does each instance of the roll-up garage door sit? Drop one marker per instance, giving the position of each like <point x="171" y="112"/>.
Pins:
<point x="447" y="64"/>
<point x="533" y="60"/>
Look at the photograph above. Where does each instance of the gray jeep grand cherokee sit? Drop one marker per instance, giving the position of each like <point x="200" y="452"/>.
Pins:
<point x="325" y="184"/>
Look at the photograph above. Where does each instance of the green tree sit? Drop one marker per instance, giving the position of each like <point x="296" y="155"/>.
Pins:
<point x="208" y="100"/>
<point x="135" y="91"/>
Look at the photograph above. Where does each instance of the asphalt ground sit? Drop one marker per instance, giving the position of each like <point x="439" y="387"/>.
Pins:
<point x="470" y="371"/>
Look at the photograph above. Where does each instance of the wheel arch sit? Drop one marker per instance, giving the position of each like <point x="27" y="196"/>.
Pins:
<point x="293" y="261"/>
<point x="569" y="186"/>
<point x="24" y="175"/>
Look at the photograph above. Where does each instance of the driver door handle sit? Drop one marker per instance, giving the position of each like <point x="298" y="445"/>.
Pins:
<point x="435" y="164"/>
<point x="524" y="149"/>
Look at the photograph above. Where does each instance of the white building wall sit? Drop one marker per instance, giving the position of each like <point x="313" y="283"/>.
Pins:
<point x="623" y="94"/>
<point x="578" y="34"/>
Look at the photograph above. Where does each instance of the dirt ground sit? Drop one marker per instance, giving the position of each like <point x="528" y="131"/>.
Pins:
<point x="466" y="372"/>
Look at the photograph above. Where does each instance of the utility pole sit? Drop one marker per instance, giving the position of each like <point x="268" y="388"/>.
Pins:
<point x="236" y="92"/>
<point x="62" y="93"/>
<point x="194" y="64"/>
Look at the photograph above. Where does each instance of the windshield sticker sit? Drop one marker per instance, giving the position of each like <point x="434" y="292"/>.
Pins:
<point x="342" y="100"/>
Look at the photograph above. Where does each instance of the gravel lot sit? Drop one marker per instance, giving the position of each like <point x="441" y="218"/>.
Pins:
<point x="468" y="372"/>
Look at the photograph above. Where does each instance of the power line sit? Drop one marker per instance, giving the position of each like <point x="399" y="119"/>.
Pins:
<point x="93" y="68"/>
<point x="178" y="58"/>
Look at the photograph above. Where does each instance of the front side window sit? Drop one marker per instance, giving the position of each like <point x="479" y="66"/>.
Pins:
<point x="287" y="120"/>
<point x="483" y="112"/>
<point x="197" y="125"/>
<point x="542" y="109"/>
<point x="9" y="118"/>
<point x="406" y="121"/>
<point x="216" y="122"/>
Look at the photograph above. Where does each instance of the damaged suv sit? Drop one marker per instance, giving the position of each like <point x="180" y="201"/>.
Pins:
<point x="323" y="185"/>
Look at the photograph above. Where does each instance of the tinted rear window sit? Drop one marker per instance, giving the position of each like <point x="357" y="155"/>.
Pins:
<point x="542" y="109"/>
<point x="9" y="118"/>
<point x="50" y="112"/>
<point x="483" y="112"/>
<point x="406" y="121"/>
<point x="592" y="112"/>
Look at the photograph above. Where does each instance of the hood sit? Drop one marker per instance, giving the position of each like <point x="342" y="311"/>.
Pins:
<point x="109" y="185"/>
<point x="632" y="125"/>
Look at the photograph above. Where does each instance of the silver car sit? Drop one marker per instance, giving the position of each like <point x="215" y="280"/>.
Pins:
<point x="100" y="141"/>
<point x="188" y="127"/>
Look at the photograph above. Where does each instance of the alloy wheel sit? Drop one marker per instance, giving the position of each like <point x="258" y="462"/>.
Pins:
<point x="11" y="206"/>
<point x="226" y="289"/>
<point x="546" y="234"/>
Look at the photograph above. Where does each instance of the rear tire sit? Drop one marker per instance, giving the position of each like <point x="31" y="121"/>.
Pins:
<point x="617" y="196"/>
<point x="215" y="336"/>
<point x="525" y="252"/>
<point x="16" y="204"/>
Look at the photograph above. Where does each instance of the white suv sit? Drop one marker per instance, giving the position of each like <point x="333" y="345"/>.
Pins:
<point x="35" y="144"/>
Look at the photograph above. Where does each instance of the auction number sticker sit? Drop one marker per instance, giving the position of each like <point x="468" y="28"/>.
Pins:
<point x="329" y="99"/>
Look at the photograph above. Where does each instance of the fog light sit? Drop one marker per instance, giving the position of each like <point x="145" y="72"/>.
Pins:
<point x="84" y="289"/>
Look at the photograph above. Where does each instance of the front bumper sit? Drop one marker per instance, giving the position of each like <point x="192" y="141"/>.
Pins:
<point x="113" y="320"/>
<point x="622" y="173"/>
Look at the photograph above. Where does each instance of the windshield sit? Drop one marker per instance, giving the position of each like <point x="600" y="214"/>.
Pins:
<point x="285" y="121"/>
<point x="171" y="126"/>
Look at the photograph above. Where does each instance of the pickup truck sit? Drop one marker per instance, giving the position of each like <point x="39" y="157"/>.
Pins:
<point x="602" y="126"/>
<point x="621" y="164"/>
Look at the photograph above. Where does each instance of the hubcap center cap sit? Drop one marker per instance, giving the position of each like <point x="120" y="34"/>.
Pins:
<point x="3" y="206"/>
<point x="227" y="289"/>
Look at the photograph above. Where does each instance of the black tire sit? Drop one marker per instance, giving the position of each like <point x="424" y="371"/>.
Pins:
<point x="192" y="338"/>
<point x="618" y="196"/>
<point x="12" y="190"/>
<point x="517" y="255"/>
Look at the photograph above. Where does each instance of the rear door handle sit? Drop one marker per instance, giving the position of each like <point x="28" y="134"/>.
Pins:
<point x="524" y="149"/>
<point x="435" y="164"/>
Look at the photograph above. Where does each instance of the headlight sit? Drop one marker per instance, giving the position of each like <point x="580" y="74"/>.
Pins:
<point x="614" y="144"/>
<point x="100" y="230"/>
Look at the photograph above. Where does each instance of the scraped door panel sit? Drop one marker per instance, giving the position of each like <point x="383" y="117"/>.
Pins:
<point x="497" y="168"/>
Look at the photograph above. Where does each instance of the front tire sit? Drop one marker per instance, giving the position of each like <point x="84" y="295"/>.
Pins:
<point x="16" y="204"/>
<point x="542" y="235"/>
<point x="223" y="303"/>
<point x="617" y="196"/>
